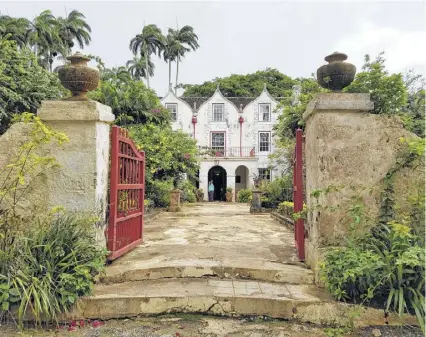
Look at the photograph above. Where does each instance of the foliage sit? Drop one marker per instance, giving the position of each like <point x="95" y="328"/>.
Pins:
<point x="388" y="92"/>
<point x="149" y="41"/>
<point x="64" y="243"/>
<point x="23" y="83"/>
<point x="169" y="154"/>
<point x="26" y="165"/>
<point x="414" y="110"/>
<point x="291" y="117"/>
<point x="386" y="264"/>
<point x="187" y="190"/>
<point x="131" y="101"/>
<point x="244" y="195"/>
<point x="159" y="192"/>
<point x="47" y="36"/>
<point x="182" y="41"/>
<point x="250" y="85"/>
<point x="137" y="68"/>
<point x="71" y="259"/>
<point x="229" y="189"/>
<point x="286" y="208"/>
<point x="279" y="189"/>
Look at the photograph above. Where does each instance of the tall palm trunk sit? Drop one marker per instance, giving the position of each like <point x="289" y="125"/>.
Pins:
<point x="170" y="74"/>
<point x="177" y="73"/>
<point x="147" y="71"/>
<point x="146" y="66"/>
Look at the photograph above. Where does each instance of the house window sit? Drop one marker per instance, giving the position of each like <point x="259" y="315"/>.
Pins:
<point x="218" y="112"/>
<point x="173" y="110"/>
<point x="265" y="112"/>
<point x="218" y="143"/>
<point x="264" y="174"/>
<point x="264" y="141"/>
<point x="238" y="179"/>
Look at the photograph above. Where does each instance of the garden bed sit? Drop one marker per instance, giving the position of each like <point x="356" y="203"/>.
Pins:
<point x="282" y="219"/>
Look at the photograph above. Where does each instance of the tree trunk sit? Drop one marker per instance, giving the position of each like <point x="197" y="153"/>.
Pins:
<point x="147" y="70"/>
<point x="177" y="74"/>
<point x="170" y="74"/>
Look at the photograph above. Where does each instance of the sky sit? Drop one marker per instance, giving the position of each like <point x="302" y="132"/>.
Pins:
<point x="239" y="37"/>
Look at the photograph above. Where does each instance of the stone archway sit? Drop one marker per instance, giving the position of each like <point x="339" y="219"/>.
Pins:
<point x="241" y="178"/>
<point x="218" y="175"/>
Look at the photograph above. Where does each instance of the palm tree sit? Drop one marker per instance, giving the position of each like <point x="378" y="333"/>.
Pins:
<point x="14" y="29"/>
<point x="149" y="41"/>
<point x="171" y="47"/>
<point x="184" y="37"/>
<point x="137" y="67"/>
<point x="42" y="32"/>
<point x="74" y="27"/>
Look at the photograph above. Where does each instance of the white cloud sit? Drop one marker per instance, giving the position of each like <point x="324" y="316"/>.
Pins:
<point x="403" y="49"/>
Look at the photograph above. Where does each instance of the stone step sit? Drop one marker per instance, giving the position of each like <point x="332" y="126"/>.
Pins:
<point x="251" y="269"/>
<point x="209" y="296"/>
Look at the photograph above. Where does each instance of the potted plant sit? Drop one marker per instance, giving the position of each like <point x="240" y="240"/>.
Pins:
<point x="199" y="194"/>
<point x="228" y="194"/>
<point x="257" y="181"/>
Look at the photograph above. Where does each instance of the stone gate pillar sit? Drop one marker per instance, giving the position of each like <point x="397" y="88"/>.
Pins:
<point x="80" y="183"/>
<point x="346" y="146"/>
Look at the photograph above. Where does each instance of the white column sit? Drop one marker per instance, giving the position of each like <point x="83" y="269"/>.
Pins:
<point x="204" y="171"/>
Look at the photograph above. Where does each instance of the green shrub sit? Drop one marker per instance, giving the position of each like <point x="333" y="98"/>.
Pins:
<point x="159" y="192"/>
<point x="385" y="267"/>
<point x="286" y="208"/>
<point x="187" y="191"/>
<point x="229" y="189"/>
<point x="44" y="271"/>
<point x="278" y="190"/>
<point x="244" y="195"/>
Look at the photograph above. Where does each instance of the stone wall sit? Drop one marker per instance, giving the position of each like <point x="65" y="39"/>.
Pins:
<point x="80" y="183"/>
<point x="345" y="145"/>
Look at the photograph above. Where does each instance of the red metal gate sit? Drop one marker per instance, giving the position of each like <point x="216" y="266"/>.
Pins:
<point x="299" y="226"/>
<point x="127" y="190"/>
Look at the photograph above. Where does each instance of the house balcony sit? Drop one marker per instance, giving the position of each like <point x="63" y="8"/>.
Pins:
<point x="229" y="152"/>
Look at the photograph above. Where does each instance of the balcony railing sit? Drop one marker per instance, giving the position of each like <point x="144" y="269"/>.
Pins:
<point x="236" y="151"/>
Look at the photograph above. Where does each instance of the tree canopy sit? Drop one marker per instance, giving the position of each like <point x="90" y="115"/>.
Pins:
<point x="23" y="83"/>
<point x="46" y="35"/>
<point x="169" y="154"/>
<point x="248" y="85"/>
<point x="131" y="101"/>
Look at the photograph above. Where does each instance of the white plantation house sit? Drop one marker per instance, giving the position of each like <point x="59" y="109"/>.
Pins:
<point x="235" y="135"/>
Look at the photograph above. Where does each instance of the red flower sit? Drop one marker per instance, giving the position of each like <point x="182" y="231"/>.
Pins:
<point x="97" y="324"/>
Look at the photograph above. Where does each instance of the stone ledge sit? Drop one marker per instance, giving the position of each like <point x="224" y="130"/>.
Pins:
<point x="303" y="303"/>
<point x="289" y="223"/>
<point x="75" y="111"/>
<point x="338" y="102"/>
<point x="238" y="269"/>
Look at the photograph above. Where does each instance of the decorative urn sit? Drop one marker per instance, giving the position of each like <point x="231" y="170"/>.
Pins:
<point x="78" y="77"/>
<point x="337" y="74"/>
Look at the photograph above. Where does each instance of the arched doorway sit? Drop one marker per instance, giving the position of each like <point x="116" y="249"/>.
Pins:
<point x="241" y="178"/>
<point x="218" y="175"/>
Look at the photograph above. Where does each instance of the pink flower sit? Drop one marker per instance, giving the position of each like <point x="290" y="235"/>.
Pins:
<point x="97" y="324"/>
<point x="187" y="156"/>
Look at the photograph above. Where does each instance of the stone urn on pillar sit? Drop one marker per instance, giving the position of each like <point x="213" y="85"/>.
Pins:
<point x="256" y="201"/>
<point x="174" y="201"/>
<point x="337" y="74"/>
<point x="78" y="77"/>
